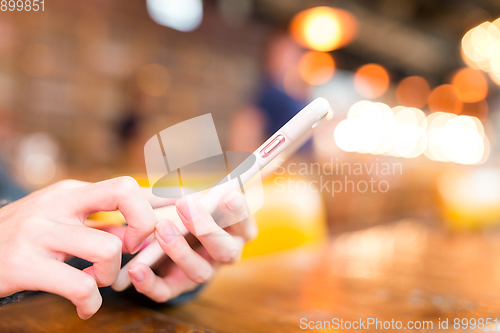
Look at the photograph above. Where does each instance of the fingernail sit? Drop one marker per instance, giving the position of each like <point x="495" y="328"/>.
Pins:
<point x="136" y="273"/>
<point x="234" y="201"/>
<point x="136" y="249"/>
<point x="146" y="242"/>
<point x="166" y="231"/>
<point x="187" y="207"/>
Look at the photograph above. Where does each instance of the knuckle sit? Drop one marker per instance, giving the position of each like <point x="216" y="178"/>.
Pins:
<point x="180" y="254"/>
<point x="84" y="288"/>
<point x="67" y="183"/>
<point x="252" y="237"/>
<point x="13" y="260"/>
<point x="31" y="224"/>
<point x="203" y="276"/>
<point x="227" y="254"/>
<point x="111" y="247"/>
<point x="252" y="234"/>
<point x="46" y="199"/>
<point x="127" y="184"/>
<point x="144" y="287"/>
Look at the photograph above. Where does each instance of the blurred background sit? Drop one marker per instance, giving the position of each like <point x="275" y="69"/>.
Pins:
<point x="414" y="85"/>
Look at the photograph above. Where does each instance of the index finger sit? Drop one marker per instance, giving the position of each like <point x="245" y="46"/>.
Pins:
<point x="196" y="218"/>
<point x="123" y="194"/>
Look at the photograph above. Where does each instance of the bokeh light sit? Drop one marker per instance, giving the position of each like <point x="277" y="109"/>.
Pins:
<point x="408" y="138"/>
<point x="377" y="129"/>
<point x="379" y="121"/>
<point x="37" y="158"/>
<point x="435" y="135"/>
<point x="323" y="28"/>
<point x="316" y="68"/>
<point x="39" y="169"/>
<point x="478" y="45"/>
<point x="185" y="15"/>
<point x="463" y="141"/>
<point x="371" y="80"/>
<point x="445" y="98"/>
<point x="470" y="84"/>
<point x="349" y="135"/>
<point x="459" y="139"/>
<point x="153" y="80"/>
<point x="481" y="48"/>
<point x="478" y="109"/>
<point x="406" y="132"/>
<point x="413" y="91"/>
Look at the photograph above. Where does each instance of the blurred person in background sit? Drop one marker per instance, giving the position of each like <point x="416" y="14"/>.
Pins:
<point x="281" y="95"/>
<point x="130" y="127"/>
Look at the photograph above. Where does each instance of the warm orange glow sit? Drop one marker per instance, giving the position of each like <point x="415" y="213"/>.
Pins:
<point x="413" y="91"/>
<point x="371" y="80"/>
<point x="478" y="109"/>
<point x="445" y="98"/>
<point x="470" y="85"/>
<point x="316" y="67"/>
<point x="323" y="28"/>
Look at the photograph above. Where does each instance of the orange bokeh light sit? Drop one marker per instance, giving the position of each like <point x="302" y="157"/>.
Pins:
<point x="371" y="80"/>
<point x="471" y="85"/>
<point x="323" y="28"/>
<point x="413" y="91"/>
<point x="316" y="67"/>
<point x="478" y="109"/>
<point x="445" y="98"/>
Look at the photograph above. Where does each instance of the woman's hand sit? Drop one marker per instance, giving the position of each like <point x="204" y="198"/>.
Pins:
<point x="38" y="231"/>
<point x="188" y="268"/>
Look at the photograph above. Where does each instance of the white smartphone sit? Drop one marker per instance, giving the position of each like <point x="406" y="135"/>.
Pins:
<point x="265" y="159"/>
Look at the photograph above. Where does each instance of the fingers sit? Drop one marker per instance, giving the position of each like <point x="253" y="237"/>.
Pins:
<point x="235" y="215"/>
<point x="65" y="184"/>
<point x="177" y="248"/>
<point x="123" y="194"/>
<point x="59" y="278"/>
<point x="157" y="202"/>
<point x="179" y="279"/>
<point x="99" y="247"/>
<point x="219" y="244"/>
<point x="159" y="289"/>
<point x="119" y="231"/>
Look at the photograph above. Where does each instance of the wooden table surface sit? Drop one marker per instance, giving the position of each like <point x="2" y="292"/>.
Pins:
<point x="401" y="271"/>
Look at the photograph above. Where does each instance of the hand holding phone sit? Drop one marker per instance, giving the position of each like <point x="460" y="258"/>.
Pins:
<point x="263" y="161"/>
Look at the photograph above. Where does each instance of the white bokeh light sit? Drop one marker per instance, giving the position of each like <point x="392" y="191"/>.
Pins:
<point x="185" y="15"/>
